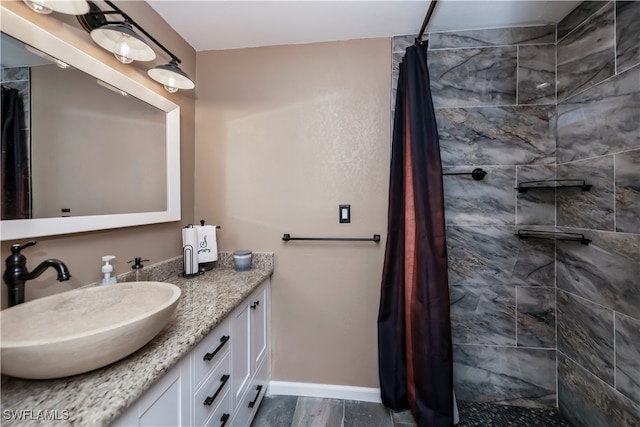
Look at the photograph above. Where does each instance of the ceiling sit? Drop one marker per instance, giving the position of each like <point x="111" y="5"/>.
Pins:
<point x="232" y="24"/>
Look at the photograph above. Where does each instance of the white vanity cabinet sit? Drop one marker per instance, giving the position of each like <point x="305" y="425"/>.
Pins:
<point x="166" y="403"/>
<point x="219" y="383"/>
<point x="251" y="371"/>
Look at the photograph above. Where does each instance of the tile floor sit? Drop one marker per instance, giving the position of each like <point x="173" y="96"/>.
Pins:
<point x="294" y="411"/>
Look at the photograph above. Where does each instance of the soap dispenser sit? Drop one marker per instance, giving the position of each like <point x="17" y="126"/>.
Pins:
<point x="107" y="270"/>
<point x="140" y="275"/>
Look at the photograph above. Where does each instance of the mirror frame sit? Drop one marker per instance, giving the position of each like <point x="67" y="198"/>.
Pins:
<point x="31" y="34"/>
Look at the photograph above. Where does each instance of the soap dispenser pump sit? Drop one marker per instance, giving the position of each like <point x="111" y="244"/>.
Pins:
<point x="107" y="270"/>
<point x="140" y="275"/>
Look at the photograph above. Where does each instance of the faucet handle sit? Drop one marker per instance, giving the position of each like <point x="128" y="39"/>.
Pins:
<point x="16" y="248"/>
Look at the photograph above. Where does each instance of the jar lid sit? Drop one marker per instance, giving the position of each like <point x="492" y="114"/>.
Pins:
<point x="242" y="253"/>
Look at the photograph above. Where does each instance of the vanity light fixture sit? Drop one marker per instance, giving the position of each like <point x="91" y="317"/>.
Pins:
<point x="120" y="38"/>
<point x="69" y="7"/>
<point x="171" y="76"/>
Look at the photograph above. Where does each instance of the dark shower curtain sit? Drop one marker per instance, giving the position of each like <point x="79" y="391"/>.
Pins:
<point x="15" y="159"/>
<point x="414" y="330"/>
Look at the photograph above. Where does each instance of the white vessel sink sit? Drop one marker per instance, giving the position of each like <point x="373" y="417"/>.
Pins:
<point x="84" y="329"/>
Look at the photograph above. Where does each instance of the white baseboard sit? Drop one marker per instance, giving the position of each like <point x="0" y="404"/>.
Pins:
<point x="330" y="391"/>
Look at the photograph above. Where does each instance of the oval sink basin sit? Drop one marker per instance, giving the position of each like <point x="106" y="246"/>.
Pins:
<point x="84" y="329"/>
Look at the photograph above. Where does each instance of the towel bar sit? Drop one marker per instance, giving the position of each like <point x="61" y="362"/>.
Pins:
<point x="375" y="238"/>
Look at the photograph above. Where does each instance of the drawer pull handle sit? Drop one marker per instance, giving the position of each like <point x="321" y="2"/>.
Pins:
<point x="224" y="419"/>
<point x="253" y="402"/>
<point x="223" y="341"/>
<point x="255" y="304"/>
<point x="209" y="400"/>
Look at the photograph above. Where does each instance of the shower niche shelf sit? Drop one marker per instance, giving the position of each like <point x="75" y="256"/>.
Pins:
<point x="552" y="235"/>
<point x="525" y="186"/>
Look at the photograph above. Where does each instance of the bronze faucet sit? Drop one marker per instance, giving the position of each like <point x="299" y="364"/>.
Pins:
<point x="16" y="273"/>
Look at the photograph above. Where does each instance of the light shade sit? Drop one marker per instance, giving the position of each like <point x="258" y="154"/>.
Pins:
<point x="70" y="7"/>
<point x="123" y="42"/>
<point x="171" y="76"/>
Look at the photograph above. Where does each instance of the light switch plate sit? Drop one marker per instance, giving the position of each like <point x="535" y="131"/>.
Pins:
<point x="345" y="214"/>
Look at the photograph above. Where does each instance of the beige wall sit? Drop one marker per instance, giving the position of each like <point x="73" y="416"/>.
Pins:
<point x="82" y="252"/>
<point x="283" y="136"/>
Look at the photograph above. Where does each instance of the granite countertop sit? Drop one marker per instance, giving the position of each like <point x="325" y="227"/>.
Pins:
<point x="98" y="397"/>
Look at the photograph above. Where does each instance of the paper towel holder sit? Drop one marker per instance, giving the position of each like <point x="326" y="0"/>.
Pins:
<point x="189" y="267"/>
<point x="202" y="223"/>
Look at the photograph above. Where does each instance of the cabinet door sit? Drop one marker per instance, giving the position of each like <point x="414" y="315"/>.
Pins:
<point x="250" y="402"/>
<point x="258" y="303"/>
<point x="166" y="403"/>
<point x="240" y="351"/>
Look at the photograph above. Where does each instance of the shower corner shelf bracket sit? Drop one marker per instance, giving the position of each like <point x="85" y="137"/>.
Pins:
<point x="552" y="235"/>
<point x="524" y="186"/>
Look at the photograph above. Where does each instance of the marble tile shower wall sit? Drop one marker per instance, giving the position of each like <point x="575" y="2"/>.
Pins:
<point x="495" y="98"/>
<point x="519" y="338"/>
<point x="598" y="140"/>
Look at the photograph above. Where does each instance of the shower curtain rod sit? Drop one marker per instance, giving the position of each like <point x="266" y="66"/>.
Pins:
<point x="427" y="18"/>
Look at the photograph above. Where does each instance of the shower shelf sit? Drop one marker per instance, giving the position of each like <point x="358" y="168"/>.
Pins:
<point x="524" y="186"/>
<point x="552" y="235"/>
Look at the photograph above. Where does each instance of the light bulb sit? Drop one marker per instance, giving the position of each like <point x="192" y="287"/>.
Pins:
<point x="171" y="85"/>
<point x="123" y="49"/>
<point x="123" y="59"/>
<point x="61" y="64"/>
<point x="38" y="6"/>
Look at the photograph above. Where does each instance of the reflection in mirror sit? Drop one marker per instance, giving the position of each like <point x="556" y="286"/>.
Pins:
<point x="72" y="143"/>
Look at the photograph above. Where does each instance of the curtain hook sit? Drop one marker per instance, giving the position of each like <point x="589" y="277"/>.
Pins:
<point x="421" y="43"/>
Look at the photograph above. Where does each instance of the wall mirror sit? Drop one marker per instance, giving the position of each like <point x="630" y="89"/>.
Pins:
<point x="100" y="149"/>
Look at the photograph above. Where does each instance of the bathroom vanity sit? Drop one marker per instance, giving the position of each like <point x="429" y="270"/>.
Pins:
<point x="220" y="382"/>
<point x="209" y="366"/>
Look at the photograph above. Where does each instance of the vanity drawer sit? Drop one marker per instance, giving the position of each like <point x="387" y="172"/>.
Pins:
<point x="213" y="348"/>
<point x="214" y="394"/>
<point x="221" y="416"/>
